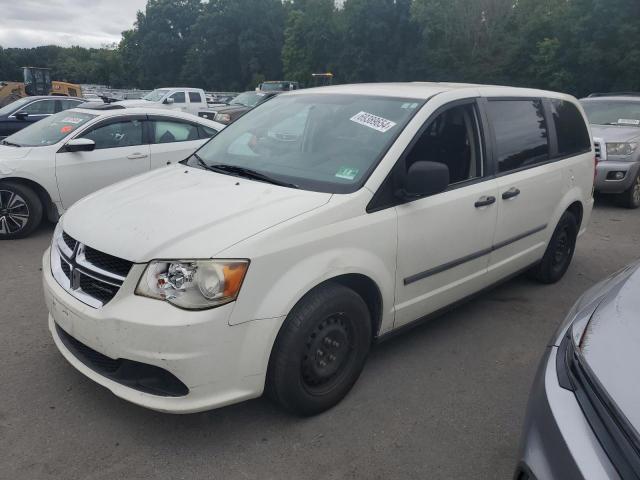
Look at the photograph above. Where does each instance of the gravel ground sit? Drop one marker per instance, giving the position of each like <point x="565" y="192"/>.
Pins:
<point x="445" y="400"/>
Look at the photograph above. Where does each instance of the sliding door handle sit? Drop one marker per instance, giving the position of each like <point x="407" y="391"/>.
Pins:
<point x="485" y="201"/>
<point x="511" y="193"/>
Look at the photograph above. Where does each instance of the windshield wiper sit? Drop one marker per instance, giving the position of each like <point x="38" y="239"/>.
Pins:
<point x="11" y="144"/>
<point x="248" y="173"/>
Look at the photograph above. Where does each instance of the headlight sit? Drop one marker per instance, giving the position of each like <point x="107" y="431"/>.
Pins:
<point x="193" y="284"/>
<point x="621" y="149"/>
<point x="222" y="117"/>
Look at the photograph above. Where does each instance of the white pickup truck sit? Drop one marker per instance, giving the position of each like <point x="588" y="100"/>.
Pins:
<point x="190" y="100"/>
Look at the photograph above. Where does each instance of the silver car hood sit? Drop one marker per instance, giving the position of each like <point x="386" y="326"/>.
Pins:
<point x="613" y="133"/>
<point x="611" y="345"/>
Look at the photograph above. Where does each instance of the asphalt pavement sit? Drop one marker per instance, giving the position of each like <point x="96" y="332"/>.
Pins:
<point x="443" y="401"/>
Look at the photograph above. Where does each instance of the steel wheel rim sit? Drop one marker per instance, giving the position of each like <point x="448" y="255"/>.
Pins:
<point x="563" y="248"/>
<point x="328" y="352"/>
<point x="14" y="212"/>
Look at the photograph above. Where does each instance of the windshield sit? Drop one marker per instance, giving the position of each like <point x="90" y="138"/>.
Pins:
<point x="319" y="142"/>
<point x="156" y="95"/>
<point x="7" y="109"/>
<point x="248" y="99"/>
<point x="612" y="112"/>
<point x="50" y="130"/>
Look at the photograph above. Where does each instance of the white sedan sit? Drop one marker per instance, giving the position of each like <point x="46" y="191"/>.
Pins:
<point x="48" y="166"/>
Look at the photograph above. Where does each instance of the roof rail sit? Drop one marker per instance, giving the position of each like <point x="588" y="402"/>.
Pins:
<point x="615" y="94"/>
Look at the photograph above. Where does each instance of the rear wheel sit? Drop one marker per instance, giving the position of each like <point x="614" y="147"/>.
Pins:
<point x="559" y="253"/>
<point x="20" y="211"/>
<point x="320" y="350"/>
<point x="631" y="197"/>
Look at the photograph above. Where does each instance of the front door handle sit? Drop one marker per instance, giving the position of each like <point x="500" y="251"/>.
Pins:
<point x="135" y="156"/>
<point x="511" y="193"/>
<point x="485" y="201"/>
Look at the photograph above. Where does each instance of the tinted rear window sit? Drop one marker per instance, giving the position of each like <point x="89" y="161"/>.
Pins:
<point x="521" y="133"/>
<point x="194" y="97"/>
<point x="571" y="130"/>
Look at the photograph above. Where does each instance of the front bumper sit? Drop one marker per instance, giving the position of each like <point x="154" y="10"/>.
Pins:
<point x="604" y="185"/>
<point x="218" y="363"/>
<point x="558" y="442"/>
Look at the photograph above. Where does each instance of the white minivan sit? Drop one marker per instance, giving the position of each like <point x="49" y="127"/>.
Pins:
<point x="317" y="224"/>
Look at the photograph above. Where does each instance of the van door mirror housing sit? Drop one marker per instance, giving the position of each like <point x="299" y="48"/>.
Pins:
<point x="425" y="178"/>
<point x="80" y="145"/>
<point x="168" y="101"/>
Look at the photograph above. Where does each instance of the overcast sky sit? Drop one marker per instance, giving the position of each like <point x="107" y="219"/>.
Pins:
<point x="88" y="23"/>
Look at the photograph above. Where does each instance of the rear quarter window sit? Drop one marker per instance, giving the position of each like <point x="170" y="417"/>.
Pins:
<point x="571" y="130"/>
<point x="522" y="138"/>
<point x="194" y="97"/>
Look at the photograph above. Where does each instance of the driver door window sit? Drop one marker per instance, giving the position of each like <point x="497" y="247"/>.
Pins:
<point x="118" y="134"/>
<point x="453" y="139"/>
<point x="41" y="107"/>
<point x="178" y="97"/>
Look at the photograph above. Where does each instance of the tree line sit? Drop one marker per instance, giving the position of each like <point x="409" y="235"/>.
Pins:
<point x="576" y="46"/>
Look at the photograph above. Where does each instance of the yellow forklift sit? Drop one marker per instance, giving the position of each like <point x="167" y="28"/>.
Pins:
<point x="36" y="81"/>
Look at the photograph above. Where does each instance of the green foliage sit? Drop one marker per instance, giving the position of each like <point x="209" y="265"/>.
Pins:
<point x="577" y="46"/>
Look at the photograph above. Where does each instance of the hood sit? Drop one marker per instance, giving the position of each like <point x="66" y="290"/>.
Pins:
<point x="613" y="133"/>
<point x="182" y="212"/>
<point x="611" y="345"/>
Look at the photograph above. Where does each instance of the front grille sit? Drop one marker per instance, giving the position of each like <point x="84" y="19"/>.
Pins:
<point x="69" y="241"/>
<point x="107" y="262"/>
<point x="137" y="375"/>
<point x="91" y="276"/>
<point x="98" y="289"/>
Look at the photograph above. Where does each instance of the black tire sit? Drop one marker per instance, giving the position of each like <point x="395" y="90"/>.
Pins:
<point x="20" y="210"/>
<point x="631" y="197"/>
<point x="559" y="253"/>
<point x="331" y="324"/>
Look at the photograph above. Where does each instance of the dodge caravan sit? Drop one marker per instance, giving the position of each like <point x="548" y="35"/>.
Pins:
<point x="319" y="223"/>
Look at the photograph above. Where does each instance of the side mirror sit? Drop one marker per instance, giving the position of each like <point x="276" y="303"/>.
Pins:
<point x="168" y="101"/>
<point x="80" y="145"/>
<point x="426" y="178"/>
<point x="21" y="116"/>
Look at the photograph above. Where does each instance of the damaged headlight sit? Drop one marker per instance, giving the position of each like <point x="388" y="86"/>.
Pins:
<point x="193" y="284"/>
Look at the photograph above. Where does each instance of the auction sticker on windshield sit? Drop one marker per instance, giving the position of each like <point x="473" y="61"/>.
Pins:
<point x="373" y="121"/>
<point x="347" y="173"/>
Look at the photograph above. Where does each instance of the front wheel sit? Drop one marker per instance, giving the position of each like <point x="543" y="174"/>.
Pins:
<point x="559" y="253"/>
<point x="630" y="198"/>
<point x="20" y="210"/>
<point x="320" y="350"/>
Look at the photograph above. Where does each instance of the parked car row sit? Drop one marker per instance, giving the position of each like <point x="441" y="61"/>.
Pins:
<point x="48" y="166"/>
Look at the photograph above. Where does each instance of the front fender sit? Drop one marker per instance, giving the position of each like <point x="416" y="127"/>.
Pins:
<point x="284" y="291"/>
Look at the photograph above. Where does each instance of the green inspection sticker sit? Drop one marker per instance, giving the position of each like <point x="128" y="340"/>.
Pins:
<point x="347" y="173"/>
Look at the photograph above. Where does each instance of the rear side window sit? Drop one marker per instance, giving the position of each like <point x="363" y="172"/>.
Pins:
<point x="172" y="131"/>
<point x="571" y="130"/>
<point x="194" y="97"/>
<point x="522" y="139"/>
<point x="207" y="132"/>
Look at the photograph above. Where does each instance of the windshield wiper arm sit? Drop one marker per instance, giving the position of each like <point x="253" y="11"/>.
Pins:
<point x="248" y="173"/>
<point x="11" y="144"/>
